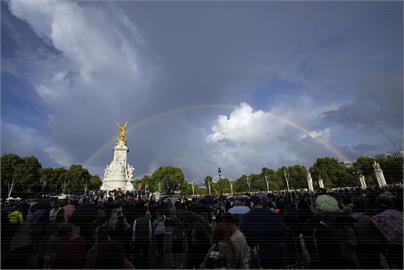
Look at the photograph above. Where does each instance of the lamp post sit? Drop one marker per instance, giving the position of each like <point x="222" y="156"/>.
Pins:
<point x="220" y="180"/>
<point x="249" y="184"/>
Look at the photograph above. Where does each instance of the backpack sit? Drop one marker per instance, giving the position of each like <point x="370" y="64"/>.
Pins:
<point x="159" y="227"/>
<point x="215" y="259"/>
<point x="142" y="228"/>
<point x="178" y="232"/>
<point x="347" y="244"/>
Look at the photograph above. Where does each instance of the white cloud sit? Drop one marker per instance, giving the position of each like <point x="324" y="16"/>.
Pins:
<point x="60" y="155"/>
<point x="249" y="139"/>
<point x="95" y="72"/>
<point x="323" y="135"/>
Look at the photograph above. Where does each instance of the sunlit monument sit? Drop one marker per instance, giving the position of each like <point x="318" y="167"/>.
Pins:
<point x="310" y="182"/>
<point x="362" y="181"/>
<point x="118" y="174"/>
<point x="320" y="182"/>
<point x="381" y="181"/>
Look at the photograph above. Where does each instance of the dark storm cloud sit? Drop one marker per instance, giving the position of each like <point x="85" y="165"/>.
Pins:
<point x="127" y="61"/>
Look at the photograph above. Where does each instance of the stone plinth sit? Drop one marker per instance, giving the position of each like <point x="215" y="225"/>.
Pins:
<point x="118" y="174"/>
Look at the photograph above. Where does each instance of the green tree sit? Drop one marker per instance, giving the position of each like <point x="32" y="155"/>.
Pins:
<point x="77" y="178"/>
<point x="364" y="165"/>
<point x="240" y="185"/>
<point x="297" y="177"/>
<point x="94" y="183"/>
<point x="27" y="176"/>
<point x="333" y="173"/>
<point x="274" y="181"/>
<point x="171" y="178"/>
<point x="8" y="164"/>
<point x="208" y="182"/>
<point x="222" y="185"/>
<point x="392" y="168"/>
<point x="54" y="178"/>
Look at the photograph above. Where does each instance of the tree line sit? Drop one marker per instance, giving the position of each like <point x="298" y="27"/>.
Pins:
<point x="27" y="177"/>
<point x="31" y="179"/>
<point x="334" y="174"/>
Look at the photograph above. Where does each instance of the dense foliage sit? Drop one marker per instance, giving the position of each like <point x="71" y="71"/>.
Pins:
<point x="30" y="179"/>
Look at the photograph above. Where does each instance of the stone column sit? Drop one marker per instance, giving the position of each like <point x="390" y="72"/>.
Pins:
<point x="310" y="182"/>
<point x="362" y="181"/>
<point x="320" y="183"/>
<point x="231" y="187"/>
<point x="381" y="181"/>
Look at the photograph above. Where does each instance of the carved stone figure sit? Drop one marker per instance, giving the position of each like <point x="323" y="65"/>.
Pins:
<point x="309" y="182"/>
<point x="376" y="165"/>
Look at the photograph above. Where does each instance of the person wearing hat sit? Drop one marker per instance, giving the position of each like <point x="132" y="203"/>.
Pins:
<point x="327" y="235"/>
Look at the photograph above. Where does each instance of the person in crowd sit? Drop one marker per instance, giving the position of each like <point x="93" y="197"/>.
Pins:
<point x="69" y="209"/>
<point x="72" y="254"/>
<point x="178" y="238"/>
<point x="223" y="253"/>
<point x="263" y="230"/>
<point x="324" y="236"/>
<point x="141" y="237"/>
<point x="237" y="238"/>
<point x="198" y="247"/>
<point x="122" y="233"/>
<point x="102" y="235"/>
<point x="111" y="255"/>
<point x="159" y="232"/>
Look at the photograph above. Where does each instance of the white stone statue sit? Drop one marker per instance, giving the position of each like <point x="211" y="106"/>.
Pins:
<point x="362" y="181"/>
<point x="320" y="182"/>
<point x="107" y="171"/>
<point x="309" y="182"/>
<point x="118" y="174"/>
<point x="130" y="171"/>
<point x="381" y="181"/>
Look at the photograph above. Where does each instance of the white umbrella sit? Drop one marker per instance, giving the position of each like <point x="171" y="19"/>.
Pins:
<point x="239" y="210"/>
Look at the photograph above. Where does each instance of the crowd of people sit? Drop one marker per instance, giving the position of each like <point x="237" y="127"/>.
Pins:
<point x="349" y="228"/>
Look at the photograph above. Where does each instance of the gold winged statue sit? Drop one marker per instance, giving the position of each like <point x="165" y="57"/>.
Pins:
<point x="122" y="133"/>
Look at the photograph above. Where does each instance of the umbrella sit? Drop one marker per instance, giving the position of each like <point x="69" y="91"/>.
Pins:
<point x="260" y="194"/>
<point x="239" y="210"/>
<point x="84" y="215"/>
<point x="229" y="197"/>
<point x="242" y="196"/>
<point x="390" y="224"/>
<point x="208" y="200"/>
<point x="192" y="217"/>
<point x="261" y="226"/>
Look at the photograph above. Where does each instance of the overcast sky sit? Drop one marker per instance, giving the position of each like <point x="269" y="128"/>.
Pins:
<point x="202" y="85"/>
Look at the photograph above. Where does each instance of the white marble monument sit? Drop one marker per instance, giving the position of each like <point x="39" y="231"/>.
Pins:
<point x="320" y="182"/>
<point x="362" y="181"/>
<point x="119" y="174"/>
<point x="379" y="175"/>
<point x="310" y="182"/>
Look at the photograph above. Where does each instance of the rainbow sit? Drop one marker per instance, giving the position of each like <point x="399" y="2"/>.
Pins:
<point x="152" y="117"/>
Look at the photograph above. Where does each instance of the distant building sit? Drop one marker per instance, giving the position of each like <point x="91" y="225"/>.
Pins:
<point x="348" y="165"/>
<point x="398" y="154"/>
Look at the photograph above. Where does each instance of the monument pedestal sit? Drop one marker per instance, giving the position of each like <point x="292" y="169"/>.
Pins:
<point x="119" y="174"/>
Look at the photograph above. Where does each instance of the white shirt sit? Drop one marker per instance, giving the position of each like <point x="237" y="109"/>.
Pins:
<point x="240" y="243"/>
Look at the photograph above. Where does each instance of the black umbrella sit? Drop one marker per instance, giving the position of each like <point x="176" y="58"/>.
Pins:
<point x="261" y="225"/>
<point x="84" y="215"/>
<point x="192" y="217"/>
